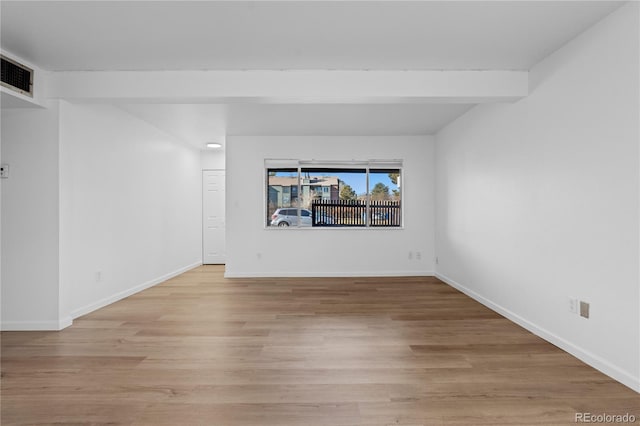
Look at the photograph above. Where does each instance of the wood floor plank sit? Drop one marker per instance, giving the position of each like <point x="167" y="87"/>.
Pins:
<point x="201" y="349"/>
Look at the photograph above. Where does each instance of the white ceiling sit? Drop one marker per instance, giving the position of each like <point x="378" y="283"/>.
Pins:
<point x="360" y="35"/>
<point x="197" y="123"/>
<point x="148" y="35"/>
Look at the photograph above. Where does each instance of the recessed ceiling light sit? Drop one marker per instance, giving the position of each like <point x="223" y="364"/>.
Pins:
<point x="214" y="145"/>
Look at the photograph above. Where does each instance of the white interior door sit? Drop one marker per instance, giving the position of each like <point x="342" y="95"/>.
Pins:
<point x="213" y="240"/>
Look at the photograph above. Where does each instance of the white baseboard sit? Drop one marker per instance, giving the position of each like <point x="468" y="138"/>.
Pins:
<point x="68" y="320"/>
<point x="37" y="325"/>
<point x="326" y="274"/>
<point x="133" y="290"/>
<point x="587" y="357"/>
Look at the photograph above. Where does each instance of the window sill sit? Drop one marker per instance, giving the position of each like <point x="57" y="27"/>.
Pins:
<point x="334" y="228"/>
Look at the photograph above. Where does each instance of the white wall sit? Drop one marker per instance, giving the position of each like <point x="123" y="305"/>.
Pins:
<point x="30" y="219"/>
<point x="130" y="205"/>
<point x="253" y="250"/>
<point x="212" y="159"/>
<point x="537" y="201"/>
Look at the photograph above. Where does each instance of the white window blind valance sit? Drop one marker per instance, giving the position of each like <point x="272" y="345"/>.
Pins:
<point x="293" y="163"/>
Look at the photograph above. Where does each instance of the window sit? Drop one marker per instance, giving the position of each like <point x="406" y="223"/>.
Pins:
<point x="356" y="194"/>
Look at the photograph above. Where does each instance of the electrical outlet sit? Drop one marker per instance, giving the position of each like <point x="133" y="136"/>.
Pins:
<point x="584" y="309"/>
<point x="573" y="305"/>
<point x="437" y="261"/>
<point x="418" y="255"/>
<point x="98" y="276"/>
<point x="410" y="255"/>
<point x="4" y="171"/>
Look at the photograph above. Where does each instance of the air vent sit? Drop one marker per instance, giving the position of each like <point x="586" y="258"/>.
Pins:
<point x="16" y="76"/>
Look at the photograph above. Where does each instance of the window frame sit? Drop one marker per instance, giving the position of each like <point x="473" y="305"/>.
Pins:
<point x="366" y="165"/>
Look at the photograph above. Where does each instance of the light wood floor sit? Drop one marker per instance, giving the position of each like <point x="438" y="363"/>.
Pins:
<point x="199" y="349"/>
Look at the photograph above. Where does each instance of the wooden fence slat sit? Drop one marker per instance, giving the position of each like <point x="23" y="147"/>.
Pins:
<point x="384" y="213"/>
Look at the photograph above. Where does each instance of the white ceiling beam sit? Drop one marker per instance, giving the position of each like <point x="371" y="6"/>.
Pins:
<point x="294" y="86"/>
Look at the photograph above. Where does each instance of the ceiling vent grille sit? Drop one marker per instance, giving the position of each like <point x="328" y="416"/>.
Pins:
<point x="16" y="76"/>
